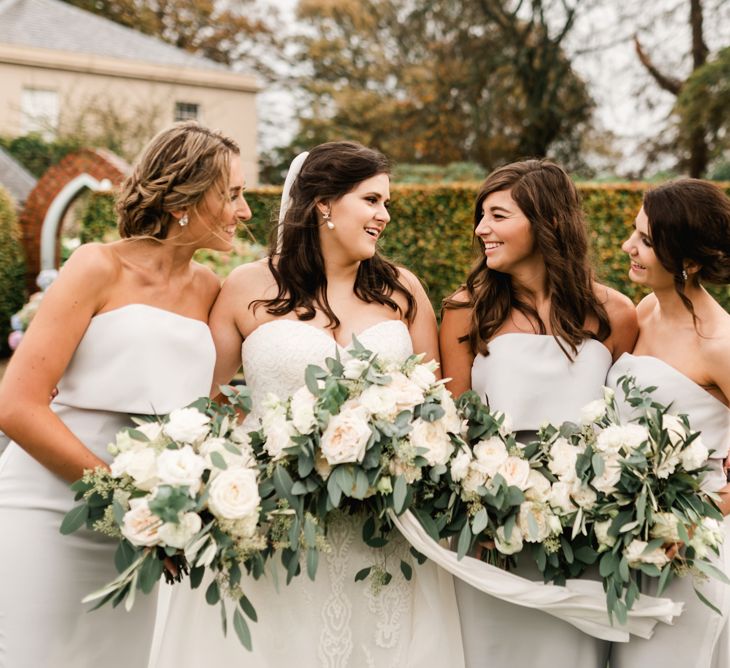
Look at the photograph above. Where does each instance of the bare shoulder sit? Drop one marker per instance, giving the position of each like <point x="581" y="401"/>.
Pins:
<point x="96" y="261"/>
<point x="461" y="296"/>
<point x="646" y="306"/>
<point x="207" y="280"/>
<point x="410" y="280"/>
<point x="250" y="281"/>
<point x="619" y="307"/>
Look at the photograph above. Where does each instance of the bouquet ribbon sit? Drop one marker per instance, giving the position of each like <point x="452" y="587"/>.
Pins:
<point x="581" y="603"/>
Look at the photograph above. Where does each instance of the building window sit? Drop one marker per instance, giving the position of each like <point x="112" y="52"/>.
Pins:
<point x="187" y="111"/>
<point x="39" y="111"/>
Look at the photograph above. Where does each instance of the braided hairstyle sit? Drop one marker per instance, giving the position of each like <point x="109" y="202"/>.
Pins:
<point x="174" y="172"/>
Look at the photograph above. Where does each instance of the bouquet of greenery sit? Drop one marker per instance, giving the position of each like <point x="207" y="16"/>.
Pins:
<point x="632" y="490"/>
<point x="355" y="438"/>
<point x="182" y="496"/>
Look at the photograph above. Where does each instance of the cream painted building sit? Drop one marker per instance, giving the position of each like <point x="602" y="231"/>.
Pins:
<point x="61" y="66"/>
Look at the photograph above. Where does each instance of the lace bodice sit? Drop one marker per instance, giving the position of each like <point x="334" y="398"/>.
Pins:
<point x="706" y="414"/>
<point x="129" y="361"/>
<point x="276" y="354"/>
<point x="531" y="379"/>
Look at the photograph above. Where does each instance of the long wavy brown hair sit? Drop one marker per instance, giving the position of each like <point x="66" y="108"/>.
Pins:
<point x="549" y="200"/>
<point x="329" y="172"/>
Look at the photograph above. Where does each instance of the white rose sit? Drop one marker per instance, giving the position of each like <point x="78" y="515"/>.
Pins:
<point x="407" y="394"/>
<point x="302" y="410"/>
<point x="669" y="463"/>
<point x="433" y="438"/>
<point x="540" y="527"/>
<point x="423" y="376"/>
<point x="516" y="472"/>
<point x="665" y="526"/>
<point x="508" y="546"/>
<point x="605" y="540"/>
<point x="451" y="420"/>
<point x="538" y="487"/>
<point x="244" y="527"/>
<point x="560" y="498"/>
<point x="139" y="525"/>
<point x="616" y="438"/>
<point x="607" y="481"/>
<point x="278" y="431"/>
<point x="218" y="445"/>
<point x="490" y="454"/>
<point x="139" y="463"/>
<point x="583" y="495"/>
<point x="593" y="411"/>
<point x="240" y="434"/>
<point x="347" y="435"/>
<point x="675" y="428"/>
<point x="634" y="553"/>
<point x="234" y="494"/>
<point x="181" y="467"/>
<point x="179" y="534"/>
<point x="354" y="368"/>
<point x="474" y="479"/>
<point x="460" y="464"/>
<point x="152" y="430"/>
<point x="562" y="458"/>
<point x="380" y="400"/>
<point x="187" y="425"/>
<point x="694" y="455"/>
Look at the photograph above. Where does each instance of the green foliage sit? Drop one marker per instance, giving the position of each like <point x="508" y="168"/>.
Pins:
<point x="431" y="227"/>
<point x="37" y="154"/>
<point x="98" y="219"/>
<point x="12" y="268"/>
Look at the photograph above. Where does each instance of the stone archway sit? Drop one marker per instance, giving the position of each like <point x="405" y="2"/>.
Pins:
<point x="40" y="221"/>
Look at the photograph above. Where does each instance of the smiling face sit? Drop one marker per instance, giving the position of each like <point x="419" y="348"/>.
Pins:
<point x="645" y="268"/>
<point x="359" y="218"/>
<point x="506" y="233"/>
<point x="215" y="222"/>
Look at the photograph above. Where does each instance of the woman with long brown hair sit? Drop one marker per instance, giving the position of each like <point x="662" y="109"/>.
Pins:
<point x="323" y="283"/>
<point x="680" y="241"/>
<point x="534" y="335"/>
<point x="123" y="330"/>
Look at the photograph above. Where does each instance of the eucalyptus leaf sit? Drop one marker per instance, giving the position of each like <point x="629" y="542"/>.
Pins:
<point x="241" y="628"/>
<point x="74" y="519"/>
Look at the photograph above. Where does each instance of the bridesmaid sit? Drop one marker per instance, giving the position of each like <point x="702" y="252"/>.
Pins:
<point x="122" y="330"/>
<point x="534" y="335"/>
<point x="682" y="239"/>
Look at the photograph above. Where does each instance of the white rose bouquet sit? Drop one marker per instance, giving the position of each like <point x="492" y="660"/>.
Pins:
<point x="181" y="496"/>
<point x="633" y="496"/>
<point x="355" y="438"/>
<point x="493" y="492"/>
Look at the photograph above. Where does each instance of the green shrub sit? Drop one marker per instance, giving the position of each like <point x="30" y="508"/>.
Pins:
<point x="431" y="231"/>
<point x="12" y="268"/>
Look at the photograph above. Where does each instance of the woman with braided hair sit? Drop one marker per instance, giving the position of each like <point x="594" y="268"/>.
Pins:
<point x="122" y="331"/>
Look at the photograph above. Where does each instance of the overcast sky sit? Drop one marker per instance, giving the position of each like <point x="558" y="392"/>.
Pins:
<point x="629" y="104"/>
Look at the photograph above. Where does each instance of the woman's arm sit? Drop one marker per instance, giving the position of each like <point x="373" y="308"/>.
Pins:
<point x="624" y="323"/>
<point x="456" y="356"/>
<point x="718" y="362"/>
<point x="38" y="364"/>
<point x="423" y="329"/>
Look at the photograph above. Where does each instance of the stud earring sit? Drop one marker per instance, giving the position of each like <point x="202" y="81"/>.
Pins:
<point x="184" y="220"/>
<point x="330" y="224"/>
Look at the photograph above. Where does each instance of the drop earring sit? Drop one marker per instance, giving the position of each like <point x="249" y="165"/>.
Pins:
<point x="183" y="220"/>
<point x="330" y="224"/>
<point x="684" y="275"/>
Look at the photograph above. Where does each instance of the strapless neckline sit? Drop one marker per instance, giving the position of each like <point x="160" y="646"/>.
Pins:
<point x="121" y="310"/>
<point x="288" y="322"/>
<point x="676" y="372"/>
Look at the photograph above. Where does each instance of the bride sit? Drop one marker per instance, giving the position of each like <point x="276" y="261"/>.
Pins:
<point x="324" y="282"/>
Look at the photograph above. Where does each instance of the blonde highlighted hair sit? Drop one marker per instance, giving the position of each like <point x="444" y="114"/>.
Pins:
<point x="175" y="171"/>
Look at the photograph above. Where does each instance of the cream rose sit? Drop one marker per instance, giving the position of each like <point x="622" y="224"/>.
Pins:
<point x="490" y="454"/>
<point x="617" y="438"/>
<point x="278" y="431"/>
<point x="560" y="498"/>
<point x="234" y="494"/>
<point x="605" y="540"/>
<point x="607" y="481"/>
<point x="139" y="525"/>
<point x="187" y="425"/>
<point x="433" y="439"/>
<point x="583" y="495"/>
<point x="179" y="534"/>
<point x="675" y="428"/>
<point x="347" y="434"/>
<point x="516" y="472"/>
<point x="140" y="464"/>
<point x="407" y="393"/>
<point x="302" y="410"/>
<point x="354" y="368"/>
<point x="562" y="458"/>
<point x="665" y="526"/>
<point x="423" y="376"/>
<point x="460" y="464"/>
<point x="534" y="522"/>
<point x="380" y="400"/>
<point x="634" y="553"/>
<point x="593" y="411"/>
<point x="181" y="467"/>
<point x="694" y="455"/>
<point x="538" y="487"/>
<point x="510" y="545"/>
<point x="474" y="479"/>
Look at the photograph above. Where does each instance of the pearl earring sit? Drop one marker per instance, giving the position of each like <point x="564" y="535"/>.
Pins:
<point x="330" y="224"/>
<point x="684" y="275"/>
<point x="184" y="220"/>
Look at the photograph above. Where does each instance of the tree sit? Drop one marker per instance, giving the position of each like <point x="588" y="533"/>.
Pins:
<point x="442" y="81"/>
<point x="694" y="135"/>
<point x="226" y="32"/>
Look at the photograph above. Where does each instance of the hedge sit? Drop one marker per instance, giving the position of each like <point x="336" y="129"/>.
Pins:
<point x="431" y="226"/>
<point x="12" y="268"/>
<point x="431" y="230"/>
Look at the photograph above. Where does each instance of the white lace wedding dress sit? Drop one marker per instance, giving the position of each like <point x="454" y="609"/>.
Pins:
<point x="333" y="622"/>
